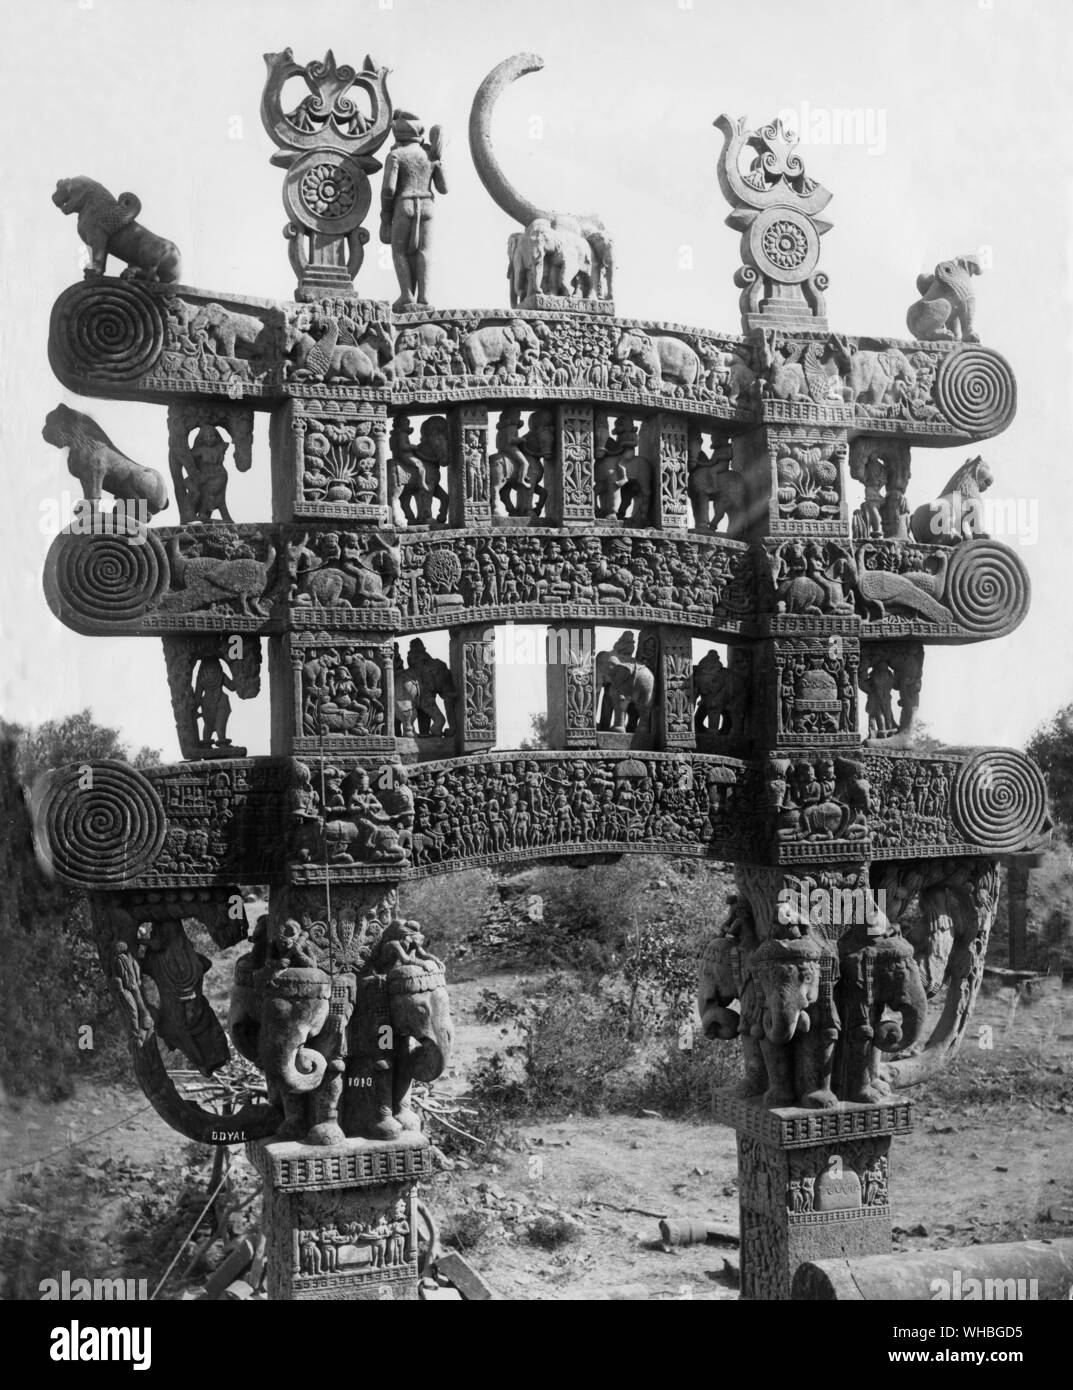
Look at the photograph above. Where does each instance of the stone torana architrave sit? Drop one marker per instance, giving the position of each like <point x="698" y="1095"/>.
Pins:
<point x="551" y="462"/>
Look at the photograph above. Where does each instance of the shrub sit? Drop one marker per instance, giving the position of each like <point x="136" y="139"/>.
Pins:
<point x="660" y="967"/>
<point x="680" y="1080"/>
<point x="466" y="1228"/>
<point x="573" y="1044"/>
<point x="45" y="1229"/>
<point x="550" y="1232"/>
<point x="458" y="917"/>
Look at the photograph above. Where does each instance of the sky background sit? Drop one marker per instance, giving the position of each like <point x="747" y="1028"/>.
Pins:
<point x="966" y="148"/>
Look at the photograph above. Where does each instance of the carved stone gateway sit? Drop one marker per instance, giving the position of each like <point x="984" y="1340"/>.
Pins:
<point x="556" y="463"/>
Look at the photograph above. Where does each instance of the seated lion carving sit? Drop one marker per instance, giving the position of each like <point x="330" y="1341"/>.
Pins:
<point x="108" y="228"/>
<point x="97" y="464"/>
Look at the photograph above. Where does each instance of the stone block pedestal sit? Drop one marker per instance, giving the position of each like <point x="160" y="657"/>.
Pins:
<point x="812" y="1185"/>
<point x="341" y="1222"/>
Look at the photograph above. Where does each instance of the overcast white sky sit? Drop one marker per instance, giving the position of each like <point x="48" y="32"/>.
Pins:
<point x="967" y="146"/>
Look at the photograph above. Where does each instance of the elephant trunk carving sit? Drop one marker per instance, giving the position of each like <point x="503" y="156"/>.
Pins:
<point x="885" y="1006"/>
<point x="791" y="1011"/>
<point x="294" y="1010"/>
<point x="421" y="1023"/>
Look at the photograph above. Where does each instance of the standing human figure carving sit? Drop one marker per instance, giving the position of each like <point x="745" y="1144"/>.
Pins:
<point x="413" y="174"/>
<point x="211" y="702"/>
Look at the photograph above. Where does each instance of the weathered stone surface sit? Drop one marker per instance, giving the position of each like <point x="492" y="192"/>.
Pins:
<point x="554" y="462"/>
<point x="1017" y="1271"/>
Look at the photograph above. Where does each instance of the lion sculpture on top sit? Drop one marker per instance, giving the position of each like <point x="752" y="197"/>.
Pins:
<point x="107" y="225"/>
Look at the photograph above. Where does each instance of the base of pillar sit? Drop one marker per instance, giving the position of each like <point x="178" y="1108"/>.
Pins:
<point x="341" y="1222"/>
<point x="812" y="1185"/>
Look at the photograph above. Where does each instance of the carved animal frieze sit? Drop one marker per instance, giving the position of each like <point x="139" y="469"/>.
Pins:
<point x="135" y="339"/>
<point x="970" y="592"/>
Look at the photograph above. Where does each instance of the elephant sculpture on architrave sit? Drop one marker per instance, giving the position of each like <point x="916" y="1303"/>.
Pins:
<point x="289" y="1017"/>
<point x="401" y="1033"/>
<point x="723" y="980"/>
<point x="790" y="1009"/>
<point x="884" y="1006"/>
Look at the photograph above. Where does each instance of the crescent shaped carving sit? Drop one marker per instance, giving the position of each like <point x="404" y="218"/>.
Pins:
<point x="500" y="189"/>
<point x="739" y="193"/>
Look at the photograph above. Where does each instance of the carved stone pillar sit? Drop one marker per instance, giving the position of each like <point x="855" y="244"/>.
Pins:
<point x="474" y="675"/>
<point x="812" y="1185"/>
<point x="571" y="685"/>
<point x="673" y="711"/>
<point x="575" y="448"/>
<point x="342" y="1223"/>
<point x="795" y="480"/>
<point x="665" y="437"/>
<point x="805" y="692"/>
<point x="330" y="464"/>
<point x="469" y="481"/>
<point x="332" y="694"/>
<point x="340" y="1208"/>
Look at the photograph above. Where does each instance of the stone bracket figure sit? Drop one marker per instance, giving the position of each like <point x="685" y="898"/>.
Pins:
<point x="138" y="939"/>
<point x="420" y="689"/>
<point x="723" y="980"/>
<point x="882" y="467"/>
<point x="221" y="666"/>
<point x="99" y="466"/>
<point x="401" y="1033"/>
<point x="197" y="452"/>
<point x="722" y="695"/>
<point x="887" y="667"/>
<point x="413" y="174"/>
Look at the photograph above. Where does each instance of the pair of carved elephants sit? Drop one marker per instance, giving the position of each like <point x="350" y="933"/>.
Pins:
<point x="789" y="1022"/>
<point x="341" y="1052"/>
<point x="547" y="259"/>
